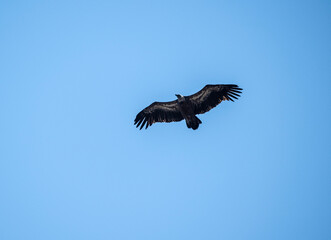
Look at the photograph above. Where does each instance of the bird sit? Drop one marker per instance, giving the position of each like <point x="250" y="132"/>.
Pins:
<point x="187" y="107"/>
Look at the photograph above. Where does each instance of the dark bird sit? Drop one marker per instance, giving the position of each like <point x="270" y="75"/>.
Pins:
<point x="186" y="107"/>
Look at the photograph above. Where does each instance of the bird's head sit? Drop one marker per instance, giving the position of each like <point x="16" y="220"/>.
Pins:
<point x="179" y="96"/>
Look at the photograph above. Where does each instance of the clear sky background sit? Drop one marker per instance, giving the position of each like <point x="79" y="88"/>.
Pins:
<point x="75" y="73"/>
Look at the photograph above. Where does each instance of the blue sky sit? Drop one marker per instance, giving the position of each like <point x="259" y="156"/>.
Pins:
<point x="75" y="73"/>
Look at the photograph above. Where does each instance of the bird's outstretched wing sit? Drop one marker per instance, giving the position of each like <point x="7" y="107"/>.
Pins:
<point x="212" y="95"/>
<point x="158" y="112"/>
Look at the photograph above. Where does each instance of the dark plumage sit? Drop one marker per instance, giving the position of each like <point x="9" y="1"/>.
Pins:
<point x="186" y="107"/>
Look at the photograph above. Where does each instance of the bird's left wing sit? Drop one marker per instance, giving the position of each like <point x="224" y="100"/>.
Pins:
<point x="158" y="112"/>
<point x="212" y="95"/>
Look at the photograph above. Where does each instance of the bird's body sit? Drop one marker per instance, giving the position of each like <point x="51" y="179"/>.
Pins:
<point x="187" y="107"/>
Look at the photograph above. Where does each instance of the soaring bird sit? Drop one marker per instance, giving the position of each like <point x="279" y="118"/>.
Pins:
<point x="187" y="107"/>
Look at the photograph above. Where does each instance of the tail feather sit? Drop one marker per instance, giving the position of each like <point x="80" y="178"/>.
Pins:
<point x="193" y="122"/>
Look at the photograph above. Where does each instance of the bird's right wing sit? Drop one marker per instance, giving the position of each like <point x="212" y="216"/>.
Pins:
<point x="158" y="112"/>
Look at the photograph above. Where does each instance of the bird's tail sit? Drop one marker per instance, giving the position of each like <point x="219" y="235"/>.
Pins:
<point x="193" y="122"/>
